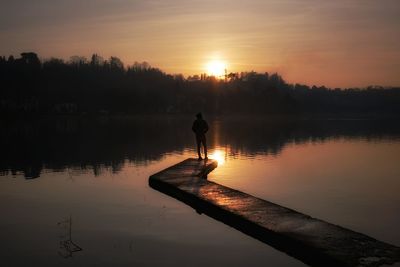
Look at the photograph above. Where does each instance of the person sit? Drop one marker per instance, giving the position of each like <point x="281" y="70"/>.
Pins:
<point x="200" y="127"/>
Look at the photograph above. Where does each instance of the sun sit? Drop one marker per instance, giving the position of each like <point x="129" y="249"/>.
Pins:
<point x="216" y="68"/>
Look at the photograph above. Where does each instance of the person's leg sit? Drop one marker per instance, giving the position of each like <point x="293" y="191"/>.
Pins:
<point x="205" y="147"/>
<point x="198" y="142"/>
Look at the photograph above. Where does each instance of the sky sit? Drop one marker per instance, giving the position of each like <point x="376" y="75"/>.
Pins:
<point x="346" y="43"/>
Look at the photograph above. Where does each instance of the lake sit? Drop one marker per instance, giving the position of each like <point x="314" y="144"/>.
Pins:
<point x="74" y="191"/>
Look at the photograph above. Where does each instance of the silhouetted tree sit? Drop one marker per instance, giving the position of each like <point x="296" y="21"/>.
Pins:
<point x="53" y="86"/>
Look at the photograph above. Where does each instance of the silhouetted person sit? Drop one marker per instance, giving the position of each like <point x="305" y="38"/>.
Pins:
<point x="200" y="127"/>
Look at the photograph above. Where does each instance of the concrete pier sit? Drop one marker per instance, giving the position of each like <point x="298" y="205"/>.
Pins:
<point x="313" y="241"/>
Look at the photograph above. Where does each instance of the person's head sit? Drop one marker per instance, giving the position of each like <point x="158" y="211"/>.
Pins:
<point x="199" y="116"/>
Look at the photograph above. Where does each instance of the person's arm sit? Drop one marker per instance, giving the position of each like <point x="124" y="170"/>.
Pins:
<point x="205" y="127"/>
<point x="194" y="127"/>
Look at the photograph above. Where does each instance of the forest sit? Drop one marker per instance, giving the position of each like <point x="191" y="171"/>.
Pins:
<point x="30" y="86"/>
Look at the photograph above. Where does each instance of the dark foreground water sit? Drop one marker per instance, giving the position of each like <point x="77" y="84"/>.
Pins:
<point x="74" y="192"/>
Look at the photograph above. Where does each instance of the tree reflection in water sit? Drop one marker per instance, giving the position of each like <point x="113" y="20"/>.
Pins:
<point x="106" y="143"/>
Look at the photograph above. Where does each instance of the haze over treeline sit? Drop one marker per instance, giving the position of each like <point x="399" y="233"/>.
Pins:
<point x="78" y="86"/>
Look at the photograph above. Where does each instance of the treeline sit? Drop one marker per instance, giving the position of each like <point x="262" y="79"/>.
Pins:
<point x="96" y="85"/>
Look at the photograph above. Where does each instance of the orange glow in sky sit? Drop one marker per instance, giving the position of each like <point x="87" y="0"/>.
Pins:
<point x="332" y="43"/>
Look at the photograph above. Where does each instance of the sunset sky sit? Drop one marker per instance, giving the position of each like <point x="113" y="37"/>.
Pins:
<point x="332" y="43"/>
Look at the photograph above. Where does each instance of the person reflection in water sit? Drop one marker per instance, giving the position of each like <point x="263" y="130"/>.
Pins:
<point x="200" y="127"/>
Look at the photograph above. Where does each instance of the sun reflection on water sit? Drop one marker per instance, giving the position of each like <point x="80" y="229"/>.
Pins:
<point x="219" y="155"/>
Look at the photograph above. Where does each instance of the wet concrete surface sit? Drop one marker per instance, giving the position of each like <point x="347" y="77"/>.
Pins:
<point x="313" y="241"/>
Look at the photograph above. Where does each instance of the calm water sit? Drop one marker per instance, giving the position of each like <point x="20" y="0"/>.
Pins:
<point x="86" y="180"/>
